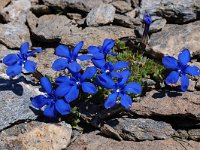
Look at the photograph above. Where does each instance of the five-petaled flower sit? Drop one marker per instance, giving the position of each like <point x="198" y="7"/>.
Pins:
<point x="120" y="89"/>
<point x="15" y="62"/>
<point x="99" y="53"/>
<point x="70" y="57"/>
<point x="69" y="87"/>
<point x="180" y="69"/>
<point x="111" y="69"/>
<point x="53" y="104"/>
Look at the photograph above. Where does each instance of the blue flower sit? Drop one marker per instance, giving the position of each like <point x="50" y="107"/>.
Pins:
<point x="69" y="87"/>
<point x="147" y="19"/>
<point x="180" y="69"/>
<point x="69" y="58"/>
<point x="15" y="62"/>
<point x="119" y="88"/>
<point x="53" y="104"/>
<point x="110" y="69"/>
<point x="100" y="53"/>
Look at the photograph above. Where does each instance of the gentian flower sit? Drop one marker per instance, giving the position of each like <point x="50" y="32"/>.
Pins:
<point x="69" y="58"/>
<point x="147" y="21"/>
<point x="119" y="89"/>
<point x="16" y="62"/>
<point x="53" y="103"/>
<point x="110" y="69"/>
<point x="180" y="69"/>
<point x="100" y="53"/>
<point x="69" y="87"/>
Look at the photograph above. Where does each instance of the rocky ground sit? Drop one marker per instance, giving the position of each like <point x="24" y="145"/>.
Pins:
<point x="161" y="120"/>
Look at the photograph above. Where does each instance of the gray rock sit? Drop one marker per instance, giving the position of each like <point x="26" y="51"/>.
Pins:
<point x="15" y="101"/>
<point x="194" y="134"/>
<point x="94" y="141"/>
<point x="126" y="21"/>
<point x="83" y="5"/>
<point x="177" y="11"/>
<point x="141" y="129"/>
<point x="59" y="26"/>
<point x="36" y="135"/>
<point x="173" y="38"/>
<point x="191" y="86"/>
<point x="101" y="15"/>
<point x="40" y="10"/>
<point x="122" y="6"/>
<point x="3" y="3"/>
<point x="16" y="11"/>
<point x="157" y="25"/>
<point x="74" y="16"/>
<point x="14" y="34"/>
<point x="132" y="14"/>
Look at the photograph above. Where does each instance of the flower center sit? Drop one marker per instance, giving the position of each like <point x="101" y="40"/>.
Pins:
<point x="107" y="71"/>
<point x="118" y="90"/>
<point x="78" y="83"/>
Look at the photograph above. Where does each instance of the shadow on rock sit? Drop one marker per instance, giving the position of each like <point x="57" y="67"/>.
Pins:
<point x="161" y="94"/>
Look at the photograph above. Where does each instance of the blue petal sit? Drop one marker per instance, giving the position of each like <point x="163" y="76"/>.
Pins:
<point x="108" y="44"/>
<point x="89" y="88"/>
<point x="184" y="83"/>
<point x="113" y="54"/>
<point x="39" y="50"/>
<point x="99" y="63"/>
<point x="184" y="57"/>
<point x="30" y="66"/>
<point x="115" y="74"/>
<point x="89" y="73"/>
<point x="62" y="51"/>
<point x="93" y="50"/>
<point x="24" y="48"/>
<point x="62" y="89"/>
<point x="105" y="81"/>
<point x="172" y="78"/>
<point x="98" y="56"/>
<point x="62" y="79"/>
<point x="74" y="67"/>
<point x="125" y="75"/>
<point x="77" y="49"/>
<point x="62" y="107"/>
<point x="46" y="84"/>
<point x="84" y="57"/>
<point x="14" y="70"/>
<point x="10" y="59"/>
<point x="60" y="64"/>
<point x="111" y="100"/>
<point x="72" y="95"/>
<point x="192" y="70"/>
<point x="147" y="19"/>
<point x="170" y="62"/>
<point x="133" y="87"/>
<point x="39" y="101"/>
<point x="120" y="65"/>
<point x="126" y="101"/>
<point x="49" y="111"/>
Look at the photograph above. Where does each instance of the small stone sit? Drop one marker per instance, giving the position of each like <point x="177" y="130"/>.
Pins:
<point x="40" y="10"/>
<point x="16" y="11"/>
<point x="36" y="135"/>
<point x="131" y="14"/>
<point x="100" y="15"/>
<point x="122" y="6"/>
<point x="74" y="16"/>
<point x="14" y="34"/>
<point x="182" y="134"/>
<point x="191" y="86"/>
<point x="194" y="134"/>
<point x="157" y="25"/>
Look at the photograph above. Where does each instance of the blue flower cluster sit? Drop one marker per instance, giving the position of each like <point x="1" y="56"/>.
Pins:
<point x="180" y="69"/>
<point x="68" y="88"/>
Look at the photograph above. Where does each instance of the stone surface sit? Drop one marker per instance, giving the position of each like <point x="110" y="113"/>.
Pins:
<point x="126" y="21"/>
<point x="36" y="135"/>
<point x="173" y="38"/>
<point x="176" y="11"/>
<point x="101" y="15"/>
<point x="94" y="141"/>
<point x="191" y="86"/>
<point x="131" y="14"/>
<point x="165" y="104"/>
<point x="59" y="25"/>
<point x="122" y="6"/>
<point x="15" y="100"/>
<point x="3" y="3"/>
<point x="198" y="84"/>
<point x="14" y="34"/>
<point x="157" y="25"/>
<point x="16" y="11"/>
<point x="40" y="10"/>
<point x="83" y="5"/>
<point x="141" y="129"/>
<point x="96" y="35"/>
